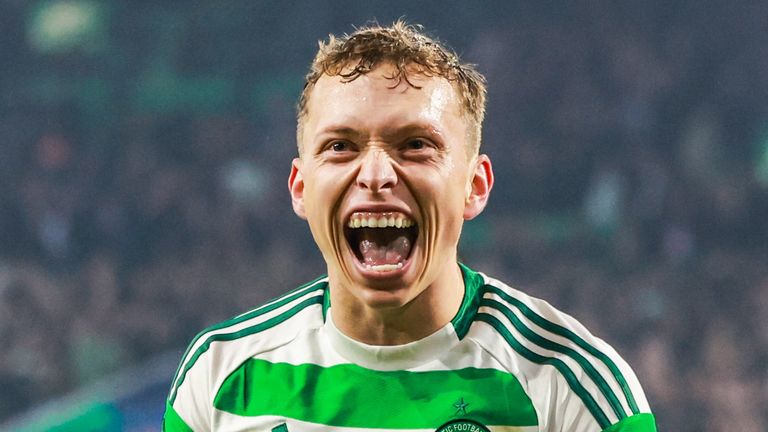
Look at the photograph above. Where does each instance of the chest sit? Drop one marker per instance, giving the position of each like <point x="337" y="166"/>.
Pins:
<point x="264" y="395"/>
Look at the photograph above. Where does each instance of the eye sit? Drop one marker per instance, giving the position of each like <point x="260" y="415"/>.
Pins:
<point x="415" y="144"/>
<point x="339" y="146"/>
<point x="339" y="150"/>
<point x="419" y="149"/>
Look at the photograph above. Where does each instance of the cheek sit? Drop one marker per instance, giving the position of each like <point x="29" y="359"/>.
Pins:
<point x="442" y="204"/>
<point x="450" y="205"/>
<point x="323" y="190"/>
<point x="324" y="194"/>
<point x="448" y="193"/>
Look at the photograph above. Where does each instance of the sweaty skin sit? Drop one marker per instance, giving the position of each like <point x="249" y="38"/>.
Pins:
<point x="370" y="145"/>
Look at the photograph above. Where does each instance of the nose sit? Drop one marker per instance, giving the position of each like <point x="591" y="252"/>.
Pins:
<point x="376" y="172"/>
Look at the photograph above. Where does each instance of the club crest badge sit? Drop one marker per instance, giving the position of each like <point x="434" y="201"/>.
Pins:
<point x="462" y="425"/>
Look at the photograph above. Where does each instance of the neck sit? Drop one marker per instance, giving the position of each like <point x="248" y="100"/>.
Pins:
<point x="426" y="312"/>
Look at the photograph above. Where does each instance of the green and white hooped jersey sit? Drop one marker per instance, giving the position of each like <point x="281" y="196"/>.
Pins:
<point x="506" y="362"/>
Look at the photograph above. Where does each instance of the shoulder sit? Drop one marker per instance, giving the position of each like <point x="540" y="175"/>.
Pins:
<point x="569" y="371"/>
<point x="215" y="351"/>
<point x="531" y="316"/>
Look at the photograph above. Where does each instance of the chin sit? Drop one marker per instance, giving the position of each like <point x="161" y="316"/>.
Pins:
<point x="376" y="298"/>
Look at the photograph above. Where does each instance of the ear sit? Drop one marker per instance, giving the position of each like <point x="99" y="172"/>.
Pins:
<point x="296" y="187"/>
<point x="479" y="189"/>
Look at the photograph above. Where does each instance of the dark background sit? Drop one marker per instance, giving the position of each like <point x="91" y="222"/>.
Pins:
<point x="145" y="147"/>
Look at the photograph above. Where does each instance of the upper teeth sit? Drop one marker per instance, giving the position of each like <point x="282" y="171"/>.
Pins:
<point x="379" y="220"/>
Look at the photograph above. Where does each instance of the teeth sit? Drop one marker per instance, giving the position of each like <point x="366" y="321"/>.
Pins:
<point x="379" y="220"/>
<point x="384" y="267"/>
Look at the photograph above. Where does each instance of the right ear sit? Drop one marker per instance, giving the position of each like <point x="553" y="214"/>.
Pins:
<point x="296" y="187"/>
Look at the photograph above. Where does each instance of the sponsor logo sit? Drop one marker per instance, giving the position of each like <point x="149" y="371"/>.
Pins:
<point x="462" y="425"/>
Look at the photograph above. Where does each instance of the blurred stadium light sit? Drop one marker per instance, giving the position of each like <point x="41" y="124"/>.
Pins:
<point x="60" y="26"/>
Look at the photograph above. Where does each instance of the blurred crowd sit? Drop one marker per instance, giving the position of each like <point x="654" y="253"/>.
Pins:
<point x="629" y="141"/>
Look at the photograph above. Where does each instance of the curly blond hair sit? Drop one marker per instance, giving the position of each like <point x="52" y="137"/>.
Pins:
<point x="410" y="51"/>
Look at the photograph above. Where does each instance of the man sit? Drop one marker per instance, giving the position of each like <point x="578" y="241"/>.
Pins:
<point x="398" y="335"/>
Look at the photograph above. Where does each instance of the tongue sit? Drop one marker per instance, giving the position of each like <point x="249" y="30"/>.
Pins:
<point x="382" y="252"/>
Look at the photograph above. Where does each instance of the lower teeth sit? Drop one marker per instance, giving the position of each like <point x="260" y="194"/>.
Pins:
<point x="384" y="267"/>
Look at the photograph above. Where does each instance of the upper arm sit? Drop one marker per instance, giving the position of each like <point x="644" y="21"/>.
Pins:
<point x="189" y="404"/>
<point x="644" y="422"/>
<point x="172" y="421"/>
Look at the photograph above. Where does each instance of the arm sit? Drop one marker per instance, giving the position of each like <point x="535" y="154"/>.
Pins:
<point x="188" y="407"/>
<point x="644" y="422"/>
<point x="172" y="422"/>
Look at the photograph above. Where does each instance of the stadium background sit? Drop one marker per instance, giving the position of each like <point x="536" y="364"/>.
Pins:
<point x="144" y="148"/>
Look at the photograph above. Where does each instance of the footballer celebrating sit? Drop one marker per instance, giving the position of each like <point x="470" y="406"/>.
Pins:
<point x="399" y="336"/>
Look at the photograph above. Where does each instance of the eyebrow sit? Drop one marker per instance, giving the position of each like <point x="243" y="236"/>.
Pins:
<point x="406" y="129"/>
<point x="339" y="130"/>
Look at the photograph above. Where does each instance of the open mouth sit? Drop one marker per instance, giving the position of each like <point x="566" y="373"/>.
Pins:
<point x="382" y="242"/>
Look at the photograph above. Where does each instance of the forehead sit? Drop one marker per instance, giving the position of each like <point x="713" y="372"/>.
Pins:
<point x="376" y="100"/>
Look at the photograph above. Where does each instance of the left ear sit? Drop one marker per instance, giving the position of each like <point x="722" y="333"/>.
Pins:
<point x="296" y="187"/>
<point x="479" y="189"/>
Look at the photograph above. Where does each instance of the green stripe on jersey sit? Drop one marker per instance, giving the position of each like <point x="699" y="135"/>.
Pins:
<point x="567" y="333"/>
<point x="172" y="422"/>
<point x="223" y="337"/>
<point x="567" y="373"/>
<point x="637" y="423"/>
<point x="552" y="346"/>
<point x="348" y="395"/>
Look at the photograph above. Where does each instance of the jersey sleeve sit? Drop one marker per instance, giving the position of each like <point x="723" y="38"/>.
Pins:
<point x="189" y="404"/>
<point x="577" y="381"/>
<point x="172" y="422"/>
<point x="594" y="388"/>
<point x="644" y="422"/>
<point x="570" y="412"/>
